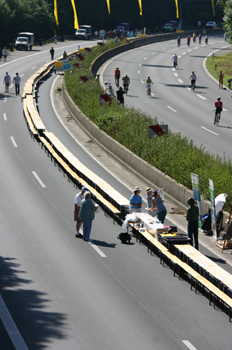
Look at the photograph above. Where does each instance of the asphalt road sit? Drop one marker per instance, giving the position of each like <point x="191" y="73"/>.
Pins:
<point x="172" y="102"/>
<point x="62" y="292"/>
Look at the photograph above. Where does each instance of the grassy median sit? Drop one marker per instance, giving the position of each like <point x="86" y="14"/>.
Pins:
<point x="173" y="154"/>
<point x="215" y="64"/>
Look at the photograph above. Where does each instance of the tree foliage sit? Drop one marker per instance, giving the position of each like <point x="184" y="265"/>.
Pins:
<point x="227" y="16"/>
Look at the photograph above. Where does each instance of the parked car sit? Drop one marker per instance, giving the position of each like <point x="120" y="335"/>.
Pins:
<point x="171" y="25"/>
<point x="211" y="24"/>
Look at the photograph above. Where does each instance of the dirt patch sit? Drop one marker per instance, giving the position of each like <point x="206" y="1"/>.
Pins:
<point x="177" y="211"/>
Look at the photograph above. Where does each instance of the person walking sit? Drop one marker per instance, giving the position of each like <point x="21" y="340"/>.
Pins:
<point x="87" y="214"/>
<point x="136" y="201"/>
<point x="52" y="51"/>
<point x="192" y="218"/>
<point x="220" y="78"/>
<point x="77" y="205"/>
<point x="16" y="81"/>
<point x="5" y="53"/>
<point x="7" y="81"/>
<point x="158" y="205"/>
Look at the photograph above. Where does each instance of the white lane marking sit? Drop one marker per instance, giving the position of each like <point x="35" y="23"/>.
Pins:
<point x="189" y="345"/>
<point x="138" y="71"/>
<point x="189" y="50"/>
<point x="11" y="327"/>
<point x="13" y="141"/>
<point x="224" y="47"/>
<point x="176" y="75"/>
<point x="180" y="81"/>
<point x="173" y="69"/>
<point x="33" y="67"/>
<point x="11" y="85"/>
<point x="21" y="75"/>
<point x="212" y="43"/>
<point x="5" y="99"/>
<point x="140" y="64"/>
<point x="209" y="130"/>
<point x="202" y="97"/>
<point x="152" y="94"/>
<point x="142" y="81"/>
<point x="47" y="61"/>
<point x="184" y="53"/>
<point x="172" y="109"/>
<point x="153" y="53"/>
<point x="202" y="45"/>
<point x="4" y="116"/>
<point x="165" y="48"/>
<point x="224" y="110"/>
<point x="187" y="87"/>
<point x="179" y="56"/>
<point x="145" y="58"/>
<point x="196" y="48"/>
<point x="38" y="179"/>
<point x="97" y="250"/>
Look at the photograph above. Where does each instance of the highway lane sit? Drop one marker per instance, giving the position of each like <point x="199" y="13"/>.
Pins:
<point x="172" y="102"/>
<point x="60" y="291"/>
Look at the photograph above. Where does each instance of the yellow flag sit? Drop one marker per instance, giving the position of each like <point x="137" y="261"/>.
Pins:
<point x="213" y="7"/>
<point x="76" y="25"/>
<point x="56" y="12"/>
<point x="140" y="6"/>
<point x="108" y="5"/>
<point x="177" y="9"/>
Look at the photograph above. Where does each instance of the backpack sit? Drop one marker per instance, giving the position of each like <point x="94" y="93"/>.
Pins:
<point x="124" y="237"/>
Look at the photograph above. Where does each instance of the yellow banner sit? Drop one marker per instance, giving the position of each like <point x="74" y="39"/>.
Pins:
<point x="56" y="12"/>
<point x="177" y="9"/>
<point x="213" y="8"/>
<point x="76" y="25"/>
<point x="108" y="5"/>
<point x="140" y="6"/>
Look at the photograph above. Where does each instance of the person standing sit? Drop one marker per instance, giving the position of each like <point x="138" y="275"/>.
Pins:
<point x="136" y="201"/>
<point x="65" y="55"/>
<point x="87" y="214"/>
<point x="149" y="202"/>
<point x="77" y="205"/>
<point x="192" y="218"/>
<point x="16" y="81"/>
<point x="5" y="53"/>
<point x="120" y="96"/>
<point x="220" y="77"/>
<point x="158" y="205"/>
<point x="7" y="81"/>
<point x="52" y="51"/>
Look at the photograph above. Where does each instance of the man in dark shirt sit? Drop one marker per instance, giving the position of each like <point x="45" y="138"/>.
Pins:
<point x="192" y="218"/>
<point x="120" y="96"/>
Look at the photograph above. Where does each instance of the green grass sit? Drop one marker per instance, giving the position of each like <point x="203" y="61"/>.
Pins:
<point x="173" y="154"/>
<point x="224" y="63"/>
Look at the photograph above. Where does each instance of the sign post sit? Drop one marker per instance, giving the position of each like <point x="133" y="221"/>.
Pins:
<point x="197" y="195"/>
<point x="212" y="200"/>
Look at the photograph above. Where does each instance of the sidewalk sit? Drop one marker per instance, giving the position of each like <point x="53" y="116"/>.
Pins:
<point x="127" y="177"/>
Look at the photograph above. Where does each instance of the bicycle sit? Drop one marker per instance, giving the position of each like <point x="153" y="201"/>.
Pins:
<point x="217" y="118"/>
<point x="117" y="81"/>
<point x="193" y="85"/>
<point x="149" y="90"/>
<point x="126" y="87"/>
<point x="108" y="88"/>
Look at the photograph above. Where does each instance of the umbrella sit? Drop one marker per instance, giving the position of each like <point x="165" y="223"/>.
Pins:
<point x="219" y="202"/>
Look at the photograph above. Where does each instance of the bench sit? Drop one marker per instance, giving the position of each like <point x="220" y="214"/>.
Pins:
<point x="195" y="277"/>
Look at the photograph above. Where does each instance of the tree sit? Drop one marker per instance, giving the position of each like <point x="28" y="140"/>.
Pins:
<point x="227" y="18"/>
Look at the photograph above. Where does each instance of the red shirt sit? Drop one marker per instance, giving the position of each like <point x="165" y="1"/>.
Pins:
<point x="218" y="104"/>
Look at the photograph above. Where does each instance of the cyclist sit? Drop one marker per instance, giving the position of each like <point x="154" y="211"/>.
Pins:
<point x="194" y="37"/>
<point x="199" y="38"/>
<point x="178" y="41"/>
<point x="148" y="83"/>
<point x="188" y="40"/>
<point x="126" y="81"/>
<point x="206" y="38"/>
<point x="193" y="79"/>
<point x="219" y="107"/>
<point x="174" y="59"/>
<point x="117" y="76"/>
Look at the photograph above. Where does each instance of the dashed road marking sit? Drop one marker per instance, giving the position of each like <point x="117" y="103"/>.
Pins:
<point x="180" y="81"/>
<point x="172" y="109"/>
<point x="145" y="58"/>
<point x="4" y="116"/>
<point x="33" y="67"/>
<point x="176" y="75"/>
<point x="189" y="345"/>
<point x="202" y="97"/>
<point x="38" y="179"/>
<point x="209" y="130"/>
<point x="97" y="249"/>
<point x="13" y="141"/>
<point x="138" y="71"/>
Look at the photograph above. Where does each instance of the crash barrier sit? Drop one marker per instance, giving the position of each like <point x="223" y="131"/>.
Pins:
<point x="187" y="272"/>
<point x="112" y="202"/>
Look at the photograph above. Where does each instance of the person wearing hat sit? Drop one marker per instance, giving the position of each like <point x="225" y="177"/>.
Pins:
<point x="149" y="202"/>
<point x="136" y="201"/>
<point x="87" y="214"/>
<point x="192" y="218"/>
<point x="77" y="205"/>
<point x="158" y="205"/>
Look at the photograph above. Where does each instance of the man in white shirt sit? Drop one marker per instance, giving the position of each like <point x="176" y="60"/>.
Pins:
<point x="77" y="205"/>
<point x="16" y="81"/>
<point x="7" y="81"/>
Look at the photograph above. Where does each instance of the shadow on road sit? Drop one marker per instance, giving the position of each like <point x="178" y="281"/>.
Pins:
<point x="37" y="326"/>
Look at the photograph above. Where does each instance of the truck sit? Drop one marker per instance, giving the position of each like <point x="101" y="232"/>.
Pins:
<point x="84" y="32"/>
<point x="24" y="41"/>
<point x="123" y="26"/>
